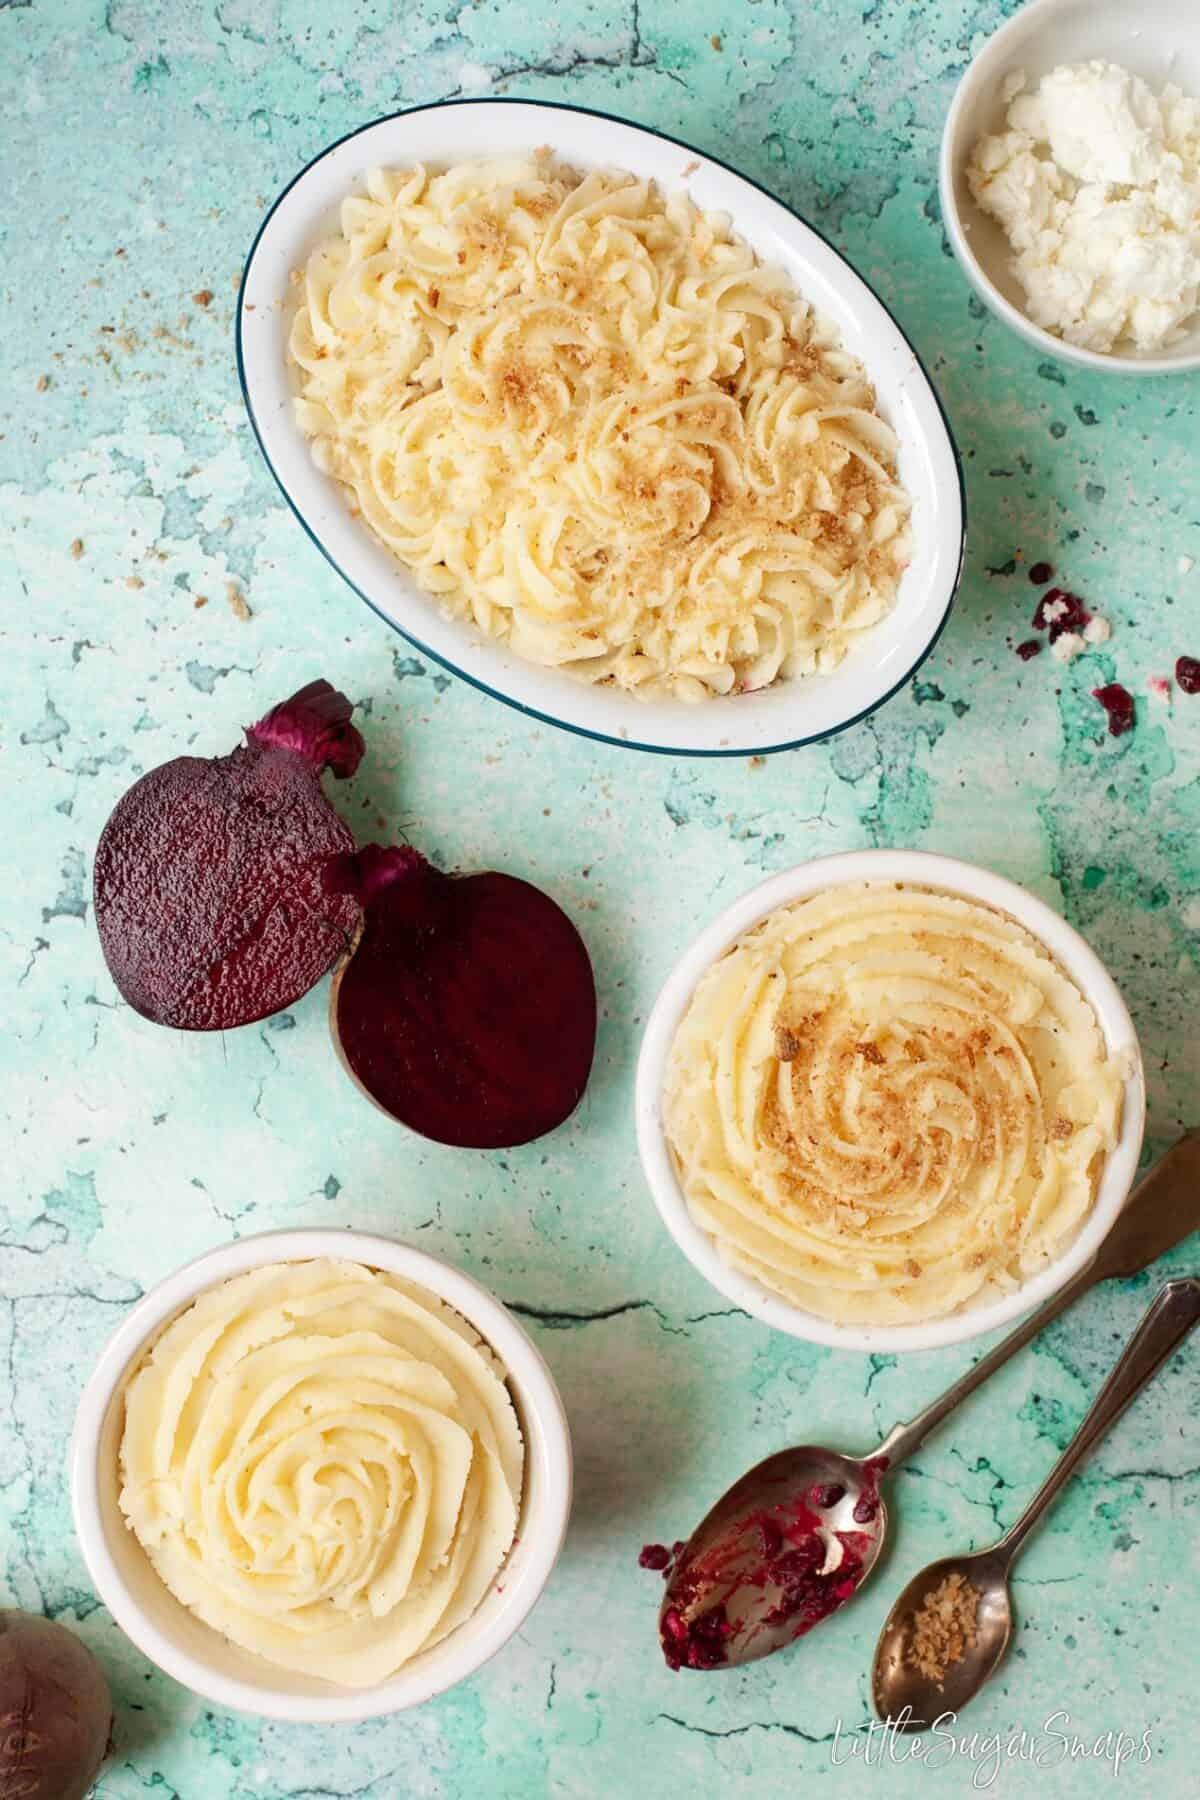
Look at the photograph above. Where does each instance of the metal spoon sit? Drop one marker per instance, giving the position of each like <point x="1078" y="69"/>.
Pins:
<point x="736" y="1593"/>
<point x="913" y="1699"/>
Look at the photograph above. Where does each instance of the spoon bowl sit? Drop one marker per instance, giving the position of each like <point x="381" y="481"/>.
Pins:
<point x="910" y="1697"/>
<point x="785" y="1546"/>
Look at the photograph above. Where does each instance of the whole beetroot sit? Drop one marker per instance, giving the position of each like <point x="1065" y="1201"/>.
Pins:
<point x="55" y="1711"/>
<point x="209" y="895"/>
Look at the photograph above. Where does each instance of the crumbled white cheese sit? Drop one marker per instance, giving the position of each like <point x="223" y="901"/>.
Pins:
<point x="1067" y="646"/>
<point x="1097" y="630"/>
<point x="1055" y="610"/>
<point x="1186" y="564"/>
<point x="1096" y="182"/>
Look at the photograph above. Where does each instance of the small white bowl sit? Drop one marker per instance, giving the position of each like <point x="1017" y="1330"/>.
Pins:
<point x="919" y="869"/>
<point x="776" y="718"/>
<point x="207" y="1663"/>
<point x="1156" y="39"/>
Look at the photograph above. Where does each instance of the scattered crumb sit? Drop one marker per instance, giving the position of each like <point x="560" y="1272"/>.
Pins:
<point x="1186" y="564"/>
<point x="200" y="600"/>
<point x="1160" y="687"/>
<point x="1067" y="647"/>
<point x="691" y="167"/>
<point x="203" y="298"/>
<point x="1097" y="630"/>
<point x="715" y="41"/>
<point x="76" y="548"/>
<point x="134" y="581"/>
<point x="943" y="1627"/>
<point x="238" y="604"/>
<point x="758" y="762"/>
<point x="43" y="382"/>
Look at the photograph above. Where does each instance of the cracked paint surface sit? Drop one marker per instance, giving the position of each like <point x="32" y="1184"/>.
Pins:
<point x="157" y="596"/>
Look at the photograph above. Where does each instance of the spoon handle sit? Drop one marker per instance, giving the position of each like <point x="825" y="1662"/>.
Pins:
<point x="1172" y="1315"/>
<point x="1163" y="1209"/>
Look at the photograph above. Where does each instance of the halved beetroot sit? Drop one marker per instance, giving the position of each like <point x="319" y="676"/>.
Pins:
<point x="466" y="1008"/>
<point x="209" y="892"/>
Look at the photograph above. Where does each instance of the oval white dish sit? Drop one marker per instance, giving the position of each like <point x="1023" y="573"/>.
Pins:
<point x="781" y="717"/>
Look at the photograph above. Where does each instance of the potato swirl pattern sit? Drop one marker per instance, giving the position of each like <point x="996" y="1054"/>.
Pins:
<point x="884" y="1102"/>
<point x="593" y="424"/>
<point x="323" y="1462"/>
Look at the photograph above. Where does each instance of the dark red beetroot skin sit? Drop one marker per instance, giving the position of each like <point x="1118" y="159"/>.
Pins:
<point x="467" y="1009"/>
<point x="55" y="1713"/>
<point x="210" y="901"/>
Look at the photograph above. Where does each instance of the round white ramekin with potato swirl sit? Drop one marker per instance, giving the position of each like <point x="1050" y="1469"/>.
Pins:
<point x="348" y="1468"/>
<point x="889" y="1102"/>
<point x="323" y="1462"/>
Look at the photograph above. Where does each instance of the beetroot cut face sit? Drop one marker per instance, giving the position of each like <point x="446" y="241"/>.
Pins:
<point x="467" y="1009"/>
<point x="209" y="892"/>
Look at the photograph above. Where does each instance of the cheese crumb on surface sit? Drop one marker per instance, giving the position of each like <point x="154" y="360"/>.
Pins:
<point x="1096" y="182"/>
<point x="1067" y="647"/>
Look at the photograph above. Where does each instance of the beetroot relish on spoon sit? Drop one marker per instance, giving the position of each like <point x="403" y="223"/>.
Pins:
<point x="779" y="1570"/>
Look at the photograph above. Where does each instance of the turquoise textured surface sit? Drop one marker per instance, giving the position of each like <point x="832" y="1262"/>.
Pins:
<point x="157" y="595"/>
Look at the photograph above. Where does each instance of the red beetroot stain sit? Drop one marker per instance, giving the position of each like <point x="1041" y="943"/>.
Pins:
<point x="1187" y="674"/>
<point x="1117" y="702"/>
<point x="1059" y="612"/>
<point x="1029" y="649"/>
<point x="1041" y="573"/>
<point x="654" y="1556"/>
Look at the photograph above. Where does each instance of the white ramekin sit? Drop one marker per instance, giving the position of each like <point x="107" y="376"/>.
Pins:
<point x="199" y="1657"/>
<point x="1156" y="39"/>
<point x="949" y="876"/>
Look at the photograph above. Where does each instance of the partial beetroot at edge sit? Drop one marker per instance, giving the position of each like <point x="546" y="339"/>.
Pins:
<point x="55" y="1711"/>
<point x="467" y="1009"/>
<point x="209" y="895"/>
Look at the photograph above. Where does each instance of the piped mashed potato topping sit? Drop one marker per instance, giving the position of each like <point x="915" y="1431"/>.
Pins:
<point x="323" y="1462"/>
<point x="885" y="1102"/>
<point x="590" y="422"/>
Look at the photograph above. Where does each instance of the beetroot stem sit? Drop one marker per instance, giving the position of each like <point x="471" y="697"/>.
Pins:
<point x="313" y="724"/>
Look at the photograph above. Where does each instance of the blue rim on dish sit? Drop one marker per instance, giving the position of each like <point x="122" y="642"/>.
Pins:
<point x="483" y="687"/>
